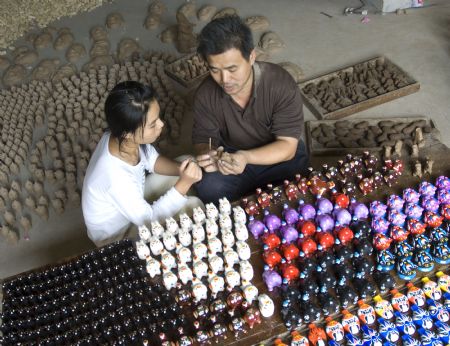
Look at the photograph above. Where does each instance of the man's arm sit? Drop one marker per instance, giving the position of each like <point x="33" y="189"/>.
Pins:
<point x="280" y="150"/>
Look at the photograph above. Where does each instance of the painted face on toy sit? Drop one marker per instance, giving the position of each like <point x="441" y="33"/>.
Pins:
<point x="335" y="331"/>
<point x="351" y="324"/>
<point x="381" y="242"/>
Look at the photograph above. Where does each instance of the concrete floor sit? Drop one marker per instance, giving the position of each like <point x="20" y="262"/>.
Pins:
<point x="418" y="41"/>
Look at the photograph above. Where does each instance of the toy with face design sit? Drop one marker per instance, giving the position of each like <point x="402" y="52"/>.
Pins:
<point x="169" y="240"/>
<point x="153" y="267"/>
<point x="184" y="273"/>
<point x="228" y="239"/>
<point x="199" y="290"/>
<point x="241" y="231"/>
<point x="214" y="245"/>
<point x="239" y="215"/>
<point x="185" y="221"/>
<point x="266" y="306"/>
<point x="157" y="229"/>
<point x="232" y="278"/>
<point x="184" y="237"/>
<point x="167" y="260"/>
<point x="211" y="228"/>
<point x="144" y="233"/>
<point x="198" y="215"/>
<point x="216" y="284"/>
<point x="243" y="250"/>
<point x="143" y="250"/>
<point x="200" y="269"/>
<point x="224" y="206"/>
<point x="256" y="227"/>
<point x="200" y="250"/>
<point x="211" y="211"/>
<point x="172" y="226"/>
<point x="231" y="257"/>
<point x="156" y="246"/>
<point x="246" y="270"/>
<point x="225" y="221"/>
<point x="216" y="264"/>
<point x="198" y="233"/>
<point x="271" y="278"/>
<point x="170" y="280"/>
<point x="249" y="291"/>
<point x="184" y="254"/>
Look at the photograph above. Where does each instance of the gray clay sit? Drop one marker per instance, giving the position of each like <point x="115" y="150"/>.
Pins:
<point x="63" y="40"/>
<point x="188" y="9"/>
<point x="114" y="20"/>
<point x="261" y="55"/>
<point x="186" y="40"/>
<point x="42" y="211"/>
<point x="227" y="11"/>
<point x="25" y="56"/>
<point x="43" y="40"/>
<point x="98" y="61"/>
<point x="270" y="42"/>
<point x="205" y="13"/>
<point x="152" y="21"/>
<point x="417" y="171"/>
<point x="157" y="7"/>
<point x="100" y="47"/>
<point x="414" y="151"/>
<point x="9" y="218"/>
<point x="75" y="52"/>
<point x="258" y="23"/>
<point x="428" y="166"/>
<point x="294" y="70"/>
<point x="58" y="205"/>
<point x="4" y="62"/>
<point x="127" y="48"/>
<point x="98" y="33"/>
<point x="45" y="69"/>
<point x="30" y="202"/>
<point x="169" y="35"/>
<point x="14" y="75"/>
<point x="25" y="222"/>
<point x="64" y="71"/>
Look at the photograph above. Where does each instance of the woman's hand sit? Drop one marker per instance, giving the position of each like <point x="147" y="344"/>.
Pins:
<point x="190" y="173"/>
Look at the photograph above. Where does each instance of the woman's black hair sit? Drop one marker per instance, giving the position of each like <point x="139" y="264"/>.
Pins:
<point x="126" y="108"/>
<point x="222" y="34"/>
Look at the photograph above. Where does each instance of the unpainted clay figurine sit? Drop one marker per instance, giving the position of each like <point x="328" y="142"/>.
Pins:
<point x="417" y="172"/>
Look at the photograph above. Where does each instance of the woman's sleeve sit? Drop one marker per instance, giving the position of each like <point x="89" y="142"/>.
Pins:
<point x="150" y="158"/>
<point x="130" y="202"/>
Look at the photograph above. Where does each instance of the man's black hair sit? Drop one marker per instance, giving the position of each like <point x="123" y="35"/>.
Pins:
<point x="225" y="33"/>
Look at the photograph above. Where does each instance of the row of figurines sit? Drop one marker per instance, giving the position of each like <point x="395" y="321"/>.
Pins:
<point x="419" y="310"/>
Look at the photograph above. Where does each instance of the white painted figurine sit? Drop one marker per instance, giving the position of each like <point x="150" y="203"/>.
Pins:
<point x="246" y="270"/>
<point x="198" y="233"/>
<point x="214" y="245"/>
<point x="183" y="253"/>
<point x="239" y="215"/>
<point x="172" y="226"/>
<point x="211" y="228"/>
<point x="169" y="240"/>
<point x="199" y="290"/>
<point x="225" y="222"/>
<point x="211" y="211"/>
<point x="143" y="251"/>
<point x="170" y="280"/>
<point x="224" y="206"/>
<point x="243" y="250"/>
<point x="157" y="229"/>
<point x="200" y="250"/>
<point x="231" y="257"/>
<point x="199" y="215"/>
<point x="153" y="267"/>
<point x="156" y="246"/>
<point x="144" y="233"/>
<point x="216" y="264"/>
<point x="241" y="231"/>
<point x="184" y="273"/>
<point x="216" y="284"/>
<point x="232" y="278"/>
<point x="200" y="269"/>
<point x="184" y="237"/>
<point x="266" y="305"/>
<point x="185" y="222"/>
<point x="249" y="291"/>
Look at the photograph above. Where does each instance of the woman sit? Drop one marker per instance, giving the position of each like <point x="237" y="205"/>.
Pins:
<point x="113" y="188"/>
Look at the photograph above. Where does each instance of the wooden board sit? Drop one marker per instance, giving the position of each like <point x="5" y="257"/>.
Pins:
<point x="322" y="113"/>
<point x="315" y="148"/>
<point x="188" y="83"/>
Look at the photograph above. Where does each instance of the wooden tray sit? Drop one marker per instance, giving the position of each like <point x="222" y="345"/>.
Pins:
<point x="316" y="148"/>
<point x="188" y="83"/>
<point x="321" y="113"/>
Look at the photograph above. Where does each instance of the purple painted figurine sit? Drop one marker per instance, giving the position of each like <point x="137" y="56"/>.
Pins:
<point x="359" y="210"/>
<point x="271" y="278"/>
<point x="380" y="225"/>
<point x="431" y="204"/>
<point x="443" y="182"/>
<point x="411" y="195"/>
<point x="443" y="196"/>
<point x="325" y="222"/>
<point x="378" y="209"/>
<point x="395" y="202"/>
<point x="427" y="189"/>
<point x="290" y="215"/>
<point x="324" y="205"/>
<point x="272" y="221"/>
<point x="397" y="218"/>
<point x="342" y="216"/>
<point x="256" y="227"/>
<point x="307" y="211"/>
<point x="288" y="233"/>
<point x="413" y="210"/>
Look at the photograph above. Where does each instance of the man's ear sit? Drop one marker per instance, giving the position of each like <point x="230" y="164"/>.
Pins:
<point x="252" y="56"/>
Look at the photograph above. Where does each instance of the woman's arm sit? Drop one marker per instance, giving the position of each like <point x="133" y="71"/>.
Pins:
<point x="166" y="166"/>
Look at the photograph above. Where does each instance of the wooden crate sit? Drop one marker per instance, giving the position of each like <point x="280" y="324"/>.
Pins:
<point x="186" y="61"/>
<point x="321" y="113"/>
<point x="316" y="148"/>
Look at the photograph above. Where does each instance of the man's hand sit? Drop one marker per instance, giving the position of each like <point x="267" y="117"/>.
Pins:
<point x="208" y="161"/>
<point x="232" y="163"/>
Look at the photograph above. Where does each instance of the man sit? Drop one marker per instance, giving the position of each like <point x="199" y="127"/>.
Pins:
<point x="251" y="110"/>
